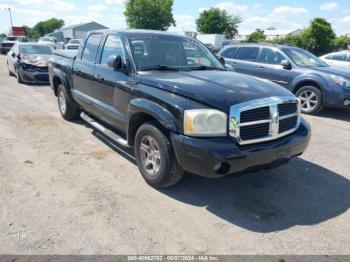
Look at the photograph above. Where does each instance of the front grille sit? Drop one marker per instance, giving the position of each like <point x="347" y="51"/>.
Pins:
<point x="43" y="69"/>
<point x="287" y="124"/>
<point x="255" y="131"/>
<point x="255" y="114"/>
<point x="264" y="119"/>
<point x="287" y="108"/>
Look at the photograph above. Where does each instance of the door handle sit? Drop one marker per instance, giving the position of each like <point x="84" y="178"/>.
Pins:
<point x="99" y="78"/>
<point x="260" y="68"/>
<point x="233" y="63"/>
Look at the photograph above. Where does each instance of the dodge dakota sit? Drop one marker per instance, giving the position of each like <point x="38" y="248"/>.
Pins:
<point x="173" y="101"/>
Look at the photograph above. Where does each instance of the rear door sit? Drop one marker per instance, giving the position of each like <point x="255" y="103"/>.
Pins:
<point x="84" y="71"/>
<point x="245" y="60"/>
<point x="270" y="67"/>
<point x="111" y="86"/>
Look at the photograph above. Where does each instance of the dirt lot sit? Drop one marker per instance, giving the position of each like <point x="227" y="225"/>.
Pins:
<point x="64" y="189"/>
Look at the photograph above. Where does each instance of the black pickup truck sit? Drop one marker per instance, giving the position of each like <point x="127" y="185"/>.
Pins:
<point x="173" y="101"/>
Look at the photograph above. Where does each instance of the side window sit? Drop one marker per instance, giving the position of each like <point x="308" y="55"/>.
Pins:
<point x="329" y="57"/>
<point x="229" y="52"/>
<point x="340" y="56"/>
<point x="247" y="53"/>
<point x="270" y="56"/>
<point x="113" y="46"/>
<point x="90" y="49"/>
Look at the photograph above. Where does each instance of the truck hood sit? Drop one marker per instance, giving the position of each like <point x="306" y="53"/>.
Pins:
<point x="36" y="60"/>
<point x="332" y="70"/>
<point x="218" y="89"/>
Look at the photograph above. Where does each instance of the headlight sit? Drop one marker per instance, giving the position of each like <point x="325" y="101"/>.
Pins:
<point x="341" y="81"/>
<point x="205" y="122"/>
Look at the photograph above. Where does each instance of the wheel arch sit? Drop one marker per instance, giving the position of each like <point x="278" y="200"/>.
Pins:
<point x="141" y="111"/>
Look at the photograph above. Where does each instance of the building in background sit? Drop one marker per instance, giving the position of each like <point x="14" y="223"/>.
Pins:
<point x="75" y="31"/>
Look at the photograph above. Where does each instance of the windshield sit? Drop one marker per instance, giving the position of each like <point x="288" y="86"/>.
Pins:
<point x="46" y="39"/>
<point x="303" y="58"/>
<point x="11" y="38"/>
<point x="35" y="49"/>
<point x="152" y="51"/>
<point x="74" y="41"/>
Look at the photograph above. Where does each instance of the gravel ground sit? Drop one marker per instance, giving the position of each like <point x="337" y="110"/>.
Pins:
<point x="64" y="189"/>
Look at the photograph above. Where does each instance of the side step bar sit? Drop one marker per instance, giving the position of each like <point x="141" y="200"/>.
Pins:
<point x="104" y="130"/>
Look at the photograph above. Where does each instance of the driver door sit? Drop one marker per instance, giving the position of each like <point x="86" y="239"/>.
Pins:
<point x="270" y="68"/>
<point x="110" y="85"/>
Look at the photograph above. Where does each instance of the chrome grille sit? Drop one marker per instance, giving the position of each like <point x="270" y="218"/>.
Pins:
<point x="255" y="114"/>
<point x="264" y="119"/>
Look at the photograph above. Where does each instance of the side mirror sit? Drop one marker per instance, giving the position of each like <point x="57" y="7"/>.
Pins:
<point x="19" y="57"/>
<point x="115" y="62"/>
<point x="13" y="55"/>
<point x="222" y="61"/>
<point x="286" y="64"/>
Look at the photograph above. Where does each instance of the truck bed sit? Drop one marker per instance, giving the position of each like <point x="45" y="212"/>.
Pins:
<point x="70" y="54"/>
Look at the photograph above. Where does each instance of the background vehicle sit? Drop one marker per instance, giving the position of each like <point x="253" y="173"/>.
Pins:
<point x="339" y="59"/>
<point x="141" y="89"/>
<point x="28" y="62"/>
<point x="312" y="80"/>
<point x="73" y="44"/>
<point x="7" y="44"/>
<point x="51" y="41"/>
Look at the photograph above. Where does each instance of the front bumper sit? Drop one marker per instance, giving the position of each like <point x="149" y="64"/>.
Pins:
<point x="338" y="97"/>
<point x="215" y="157"/>
<point x="37" y="77"/>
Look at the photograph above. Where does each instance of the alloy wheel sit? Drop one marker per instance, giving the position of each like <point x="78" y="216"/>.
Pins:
<point x="62" y="103"/>
<point x="150" y="155"/>
<point x="308" y="100"/>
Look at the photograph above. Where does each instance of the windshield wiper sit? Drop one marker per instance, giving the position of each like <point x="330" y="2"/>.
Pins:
<point x="204" y="67"/>
<point x="160" y="67"/>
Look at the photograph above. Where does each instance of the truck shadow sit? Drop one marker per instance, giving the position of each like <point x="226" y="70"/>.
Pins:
<point x="301" y="193"/>
<point x="335" y="113"/>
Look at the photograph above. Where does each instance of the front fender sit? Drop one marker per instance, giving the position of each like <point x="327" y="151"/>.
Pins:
<point x="161" y="114"/>
<point x="318" y="80"/>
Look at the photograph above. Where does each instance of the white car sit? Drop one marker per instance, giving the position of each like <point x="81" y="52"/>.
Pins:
<point x="73" y="44"/>
<point x="51" y="41"/>
<point x="339" y="59"/>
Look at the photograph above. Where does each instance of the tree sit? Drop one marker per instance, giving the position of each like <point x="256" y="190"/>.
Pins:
<point x="341" y="42"/>
<point x="149" y="14"/>
<point x="257" y="36"/>
<point x="216" y="21"/>
<point x="319" y="36"/>
<point x="44" y="27"/>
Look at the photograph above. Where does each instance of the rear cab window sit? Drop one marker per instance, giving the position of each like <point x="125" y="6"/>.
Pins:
<point x="247" y="53"/>
<point x="91" y="47"/>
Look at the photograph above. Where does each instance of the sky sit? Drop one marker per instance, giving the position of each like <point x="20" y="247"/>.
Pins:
<point x="285" y="16"/>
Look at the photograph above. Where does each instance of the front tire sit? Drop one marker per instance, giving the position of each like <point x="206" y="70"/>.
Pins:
<point x="155" y="157"/>
<point x="19" y="78"/>
<point x="311" y="100"/>
<point x="68" y="108"/>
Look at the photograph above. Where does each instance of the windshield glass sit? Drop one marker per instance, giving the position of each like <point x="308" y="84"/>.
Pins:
<point x="11" y="38"/>
<point x="35" y="49"/>
<point x="75" y="41"/>
<point x="152" y="51"/>
<point x="303" y="58"/>
<point x="46" y="39"/>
